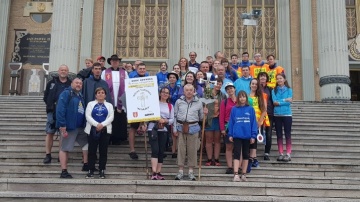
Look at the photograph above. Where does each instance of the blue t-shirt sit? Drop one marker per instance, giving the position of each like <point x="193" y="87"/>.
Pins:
<point x="99" y="112"/>
<point x="80" y="115"/>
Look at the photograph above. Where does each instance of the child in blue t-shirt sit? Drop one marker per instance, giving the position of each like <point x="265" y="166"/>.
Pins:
<point x="242" y="132"/>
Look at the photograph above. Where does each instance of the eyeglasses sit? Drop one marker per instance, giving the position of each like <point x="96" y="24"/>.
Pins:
<point x="166" y="93"/>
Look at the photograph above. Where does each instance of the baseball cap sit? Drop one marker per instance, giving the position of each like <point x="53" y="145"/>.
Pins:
<point x="229" y="84"/>
<point x="100" y="57"/>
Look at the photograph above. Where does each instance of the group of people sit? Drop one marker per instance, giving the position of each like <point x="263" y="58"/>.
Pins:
<point x="246" y="101"/>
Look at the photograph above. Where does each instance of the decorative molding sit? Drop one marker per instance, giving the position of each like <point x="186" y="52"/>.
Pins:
<point x="37" y="7"/>
<point x="334" y="79"/>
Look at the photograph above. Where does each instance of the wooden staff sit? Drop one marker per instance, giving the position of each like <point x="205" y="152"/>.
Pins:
<point x="201" y="145"/>
<point x="146" y="156"/>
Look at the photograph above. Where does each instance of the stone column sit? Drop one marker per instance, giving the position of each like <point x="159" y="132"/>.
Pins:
<point x="108" y="35"/>
<point x="307" y="65"/>
<point x="284" y="40"/>
<point x="4" y="24"/>
<point x="175" y="33"/>
<point x="86" y="31"/>
<point x="65" y="30"/>
<point x="333" y="50"/>
<point x="199" y="29"/>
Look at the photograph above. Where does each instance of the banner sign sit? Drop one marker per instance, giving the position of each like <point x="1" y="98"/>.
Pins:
<point x="142" y="99"/>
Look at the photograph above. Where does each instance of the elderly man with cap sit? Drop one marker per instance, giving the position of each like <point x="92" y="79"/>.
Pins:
<point x="115" y="78"/>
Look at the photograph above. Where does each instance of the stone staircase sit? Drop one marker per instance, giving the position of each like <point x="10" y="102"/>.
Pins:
<point x="325" y="163"/>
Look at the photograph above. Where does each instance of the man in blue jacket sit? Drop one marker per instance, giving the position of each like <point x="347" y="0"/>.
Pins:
<point x="70" y="119"/>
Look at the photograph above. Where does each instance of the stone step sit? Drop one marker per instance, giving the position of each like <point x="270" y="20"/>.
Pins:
<point x="180" y="187"/>
<point x="282" y="170"/>
<point x="204" y="177"/>
<point x="295" y="138"/>
<point x="138" y="197"/>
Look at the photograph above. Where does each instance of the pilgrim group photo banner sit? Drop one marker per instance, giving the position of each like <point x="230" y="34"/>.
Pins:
<point x="142" y="99"/>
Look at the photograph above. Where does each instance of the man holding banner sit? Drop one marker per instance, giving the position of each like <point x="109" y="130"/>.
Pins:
<point x="137" y="126"/>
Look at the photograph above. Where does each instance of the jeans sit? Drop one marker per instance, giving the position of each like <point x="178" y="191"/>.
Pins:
<point x="286" y="122"/>
<point x="158" y="145"/>
<point x="268" y="134"/>
<point x="102" y="143"/>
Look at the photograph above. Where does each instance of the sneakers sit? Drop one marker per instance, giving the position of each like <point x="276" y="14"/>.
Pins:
<point x="229" y="171"/>
<point x="133" y="156"/>
<point x="159" y="176"/>
<point x="47" y="159"/>
<point x="217" y="163"/>
<point x="255" y="163"/>
<point x="266" y="157"/>
<point x="236" y="178"/>
<point x="192" y="177"/>
<point x="90" y="174"/>
<point x="65" y="174"/>
<point x="102" y="174"/>
<point x="248" y="170"/>
<point x="287" y="158"/>
<point x="280" y="158"/>
<point x="153" y="176"/>
<point x="243" y="178"/>
<point x="208" y="162"/>
<point x="179" y="176"/>
<point x="174" y="156"/>
<point x="85" y="167"/>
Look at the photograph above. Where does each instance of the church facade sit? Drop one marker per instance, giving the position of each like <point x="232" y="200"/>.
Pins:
<point x="317" y="42"/>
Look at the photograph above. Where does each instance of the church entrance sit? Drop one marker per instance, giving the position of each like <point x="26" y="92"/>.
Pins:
<point x="355" y="84"/>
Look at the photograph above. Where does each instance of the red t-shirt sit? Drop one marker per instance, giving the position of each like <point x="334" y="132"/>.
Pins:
<point x="225" y="113"/>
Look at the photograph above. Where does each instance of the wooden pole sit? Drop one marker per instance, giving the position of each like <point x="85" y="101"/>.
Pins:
<point x="146" y="157"/>
<point x="201" y="145"/>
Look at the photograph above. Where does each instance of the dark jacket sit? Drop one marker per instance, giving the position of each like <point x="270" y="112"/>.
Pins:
<point x="53" y="89"/>
<point x="89" y="87"/>
<point x="67" y="109"/>
<point x="84" y="73"/>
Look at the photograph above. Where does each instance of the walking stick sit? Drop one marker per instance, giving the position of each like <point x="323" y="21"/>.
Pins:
<point x="146" y="157"/>
<point x="201" y="145"/>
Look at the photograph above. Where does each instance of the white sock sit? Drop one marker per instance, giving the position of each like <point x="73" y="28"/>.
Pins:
<point x="181" y="171"/>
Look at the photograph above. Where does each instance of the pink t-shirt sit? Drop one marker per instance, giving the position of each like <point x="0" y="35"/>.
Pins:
<point x="225" y="113"/>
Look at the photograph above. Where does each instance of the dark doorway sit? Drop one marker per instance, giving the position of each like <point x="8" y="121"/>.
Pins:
<point x="355" y="85"/>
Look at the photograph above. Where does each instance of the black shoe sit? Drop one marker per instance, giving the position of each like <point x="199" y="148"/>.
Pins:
<point x="47" y="159"/>
<point x="229" y="171"/>
<point x="102" y="174"/>
<point x="164" y="156"/>
<point x="65" y="174"/>
<point x="174" y="156"/>
<point x="133" y="155"/>
<point x="85" y="167"/>
<point x="90" y="174"/>
<point x="266" y="158"/>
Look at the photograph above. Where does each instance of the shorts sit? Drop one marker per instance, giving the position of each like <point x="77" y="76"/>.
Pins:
<point x="78" y="135"/>
<point x="215" y="125"/>
<point x="135" y="125"/>
<point x="50" y="124"/>
<point x="226" y="139"/>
